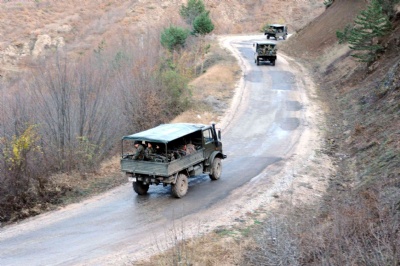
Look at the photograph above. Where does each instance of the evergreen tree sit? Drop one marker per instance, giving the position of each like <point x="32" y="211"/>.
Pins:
<point x="388" y="7"/>
<point x="193" y="9"/>
<point x="202" y="24"/>
<point x="174" y="38"/>
<point x="369" y="24"/>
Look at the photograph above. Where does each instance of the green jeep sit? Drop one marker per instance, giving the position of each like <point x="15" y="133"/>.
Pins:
<point x="276" y="31"/>
<point x="182" y="150"/>
<point x="265" y="51"/>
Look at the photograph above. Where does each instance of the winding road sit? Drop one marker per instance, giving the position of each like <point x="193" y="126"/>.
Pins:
<point x="266" y="132"/>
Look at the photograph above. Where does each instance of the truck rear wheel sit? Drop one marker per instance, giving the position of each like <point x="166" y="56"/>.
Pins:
<point x="258" y="62"/>
<point x="216" y="169"/>
<point x="140" y="188"/>
<point x="180" y="188"/>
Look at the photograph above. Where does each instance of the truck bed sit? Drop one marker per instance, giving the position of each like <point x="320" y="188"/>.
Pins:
<point x="163" y="169"/>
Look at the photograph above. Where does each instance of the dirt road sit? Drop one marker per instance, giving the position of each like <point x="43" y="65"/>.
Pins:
<point x="271" y="135"/>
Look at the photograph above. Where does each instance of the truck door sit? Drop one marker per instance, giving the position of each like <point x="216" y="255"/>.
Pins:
<point x="209" y="145"/>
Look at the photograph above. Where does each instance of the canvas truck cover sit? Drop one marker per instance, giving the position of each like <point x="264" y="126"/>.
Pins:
<point x="165" y="133"/>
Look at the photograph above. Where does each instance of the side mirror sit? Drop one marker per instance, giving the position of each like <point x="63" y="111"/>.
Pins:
<point x="219" y="134"/>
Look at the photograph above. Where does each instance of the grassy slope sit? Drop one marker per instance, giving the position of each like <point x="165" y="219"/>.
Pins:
<point x="363" y="135"/>
<point x="364" y="101"/>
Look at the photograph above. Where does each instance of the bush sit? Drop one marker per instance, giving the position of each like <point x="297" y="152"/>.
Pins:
<point x="176" y="86"/>
<point x="173" y="38"/>
<point x="202" y="24"/>
<point x="23" y="179"/>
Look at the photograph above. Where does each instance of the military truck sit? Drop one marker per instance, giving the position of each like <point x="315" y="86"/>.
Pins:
<point x="171" y="164"/>
<point x="276" y="31"/>
<point x="265" y="51"/>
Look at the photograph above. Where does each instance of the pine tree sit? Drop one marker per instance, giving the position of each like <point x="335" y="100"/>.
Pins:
<point x="369" y="24"/>
<point x="193" y="9"/>
<point x="174" y="38"/>
<point x="202" y="24"/>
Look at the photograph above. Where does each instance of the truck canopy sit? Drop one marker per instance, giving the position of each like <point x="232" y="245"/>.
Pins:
<point x="265" y="43"/>
<point x="165" y="133"/>
<point x="276" y="25"/>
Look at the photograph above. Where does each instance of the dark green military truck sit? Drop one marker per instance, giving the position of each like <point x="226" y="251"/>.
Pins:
<point x="181" y="150"/>
<point x="265" y="51"/>
<point x="276" y="31"/>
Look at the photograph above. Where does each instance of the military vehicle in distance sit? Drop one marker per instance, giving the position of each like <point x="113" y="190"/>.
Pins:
<point x="276" y="31"/>
<point x="265" y="51"/>
<point x="170" y="164"/>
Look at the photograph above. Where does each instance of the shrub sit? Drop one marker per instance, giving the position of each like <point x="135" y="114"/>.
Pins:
<point x="177" y="89"/>
<point x="202" y="24"/>
<point x="173" y="38"/>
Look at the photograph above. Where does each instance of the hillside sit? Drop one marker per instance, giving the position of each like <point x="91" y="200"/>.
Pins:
<point x="30" y="28"/>
<point x="362" y="206"/>
<point x="366" y="131"/>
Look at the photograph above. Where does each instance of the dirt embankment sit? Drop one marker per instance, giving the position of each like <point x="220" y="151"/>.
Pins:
<point x="363" y="134"/>
<point x="320" y="35"/>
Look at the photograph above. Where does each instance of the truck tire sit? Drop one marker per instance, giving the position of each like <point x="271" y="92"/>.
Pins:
<point x="140" y="188"/>
<point x="273" y="62"/>
<point x="180" y="188"/>
<point x="258" y="62"/>
<point x="267" y="36"/>
<point x="216" y="169"/>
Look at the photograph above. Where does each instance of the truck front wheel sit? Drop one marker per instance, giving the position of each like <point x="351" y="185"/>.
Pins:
<point x="180" y="188"/>
<point x="140" y="188"/>
<point x="216" y="169"/>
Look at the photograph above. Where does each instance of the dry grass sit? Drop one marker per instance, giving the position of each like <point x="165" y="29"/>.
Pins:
<point x="223" y="246"/>
<point x="211" y="249"/>
<point x="212" y="91"/>
<point x="78" y="186"/>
